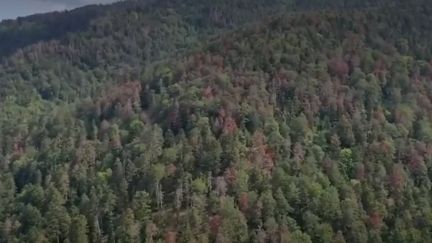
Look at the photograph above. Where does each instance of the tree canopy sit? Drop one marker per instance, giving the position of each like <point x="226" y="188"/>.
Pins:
<point x="218" y="121"/>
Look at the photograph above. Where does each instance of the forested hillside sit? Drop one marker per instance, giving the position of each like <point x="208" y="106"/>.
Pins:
<point x="218" y="121"/>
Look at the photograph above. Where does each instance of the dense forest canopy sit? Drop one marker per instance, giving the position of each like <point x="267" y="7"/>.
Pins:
<point x="218" y="121"/>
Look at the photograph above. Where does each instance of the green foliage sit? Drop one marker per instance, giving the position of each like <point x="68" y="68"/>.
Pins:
<point x="186" y="121"/>
<point x="234" y="226"/>
<point x="347" y="161"/>
<point x="79" y="229"/>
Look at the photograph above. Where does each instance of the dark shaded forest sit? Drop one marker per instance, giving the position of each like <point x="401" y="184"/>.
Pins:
<point x="218" y="121"/>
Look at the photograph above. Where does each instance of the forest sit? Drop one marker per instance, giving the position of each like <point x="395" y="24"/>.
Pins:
<point x="225" y="121"/>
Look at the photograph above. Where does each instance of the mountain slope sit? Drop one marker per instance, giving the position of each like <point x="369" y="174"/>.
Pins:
<point x="302" y="127"/>
<point x="115" y="40"/>
<point x="119" y="39"/>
